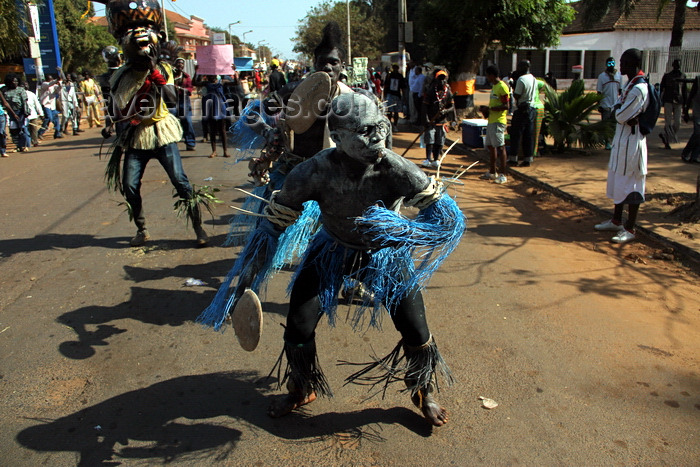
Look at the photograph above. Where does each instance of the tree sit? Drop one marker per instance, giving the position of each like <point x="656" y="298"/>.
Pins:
<point x="80" y="41"/>
<point x="593" y="10"/>
<point x="14" y="42"/>
<point x="366" y="30"/>
<point x="458" y="32"/>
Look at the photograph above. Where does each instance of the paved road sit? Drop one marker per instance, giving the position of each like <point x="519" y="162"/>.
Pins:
<point x="592" y="357"/>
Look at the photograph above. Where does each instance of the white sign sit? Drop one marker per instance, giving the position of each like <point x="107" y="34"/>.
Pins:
<point x="34" y="17"/>
<point x="218" y="38"/>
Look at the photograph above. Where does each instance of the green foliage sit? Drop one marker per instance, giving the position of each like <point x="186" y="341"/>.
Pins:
<point x="80" y="41"/>
<point x="366" y="30"/>
<point x="458" y="32"/>
<point x="14" y="42"/>
<point x="567" y="117"/>
<point x="204" y="195"/>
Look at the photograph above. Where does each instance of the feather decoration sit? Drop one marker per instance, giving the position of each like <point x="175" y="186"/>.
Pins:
<point x="244" y="136"/>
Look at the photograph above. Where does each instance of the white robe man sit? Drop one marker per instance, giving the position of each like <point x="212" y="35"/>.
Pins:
<point x="627" y="168"/>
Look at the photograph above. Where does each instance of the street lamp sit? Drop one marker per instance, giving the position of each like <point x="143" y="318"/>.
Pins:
<point x="243" y="41"/>
<point x="230" y="36"/>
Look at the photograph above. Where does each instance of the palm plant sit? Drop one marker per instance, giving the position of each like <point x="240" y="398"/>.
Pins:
<point x="567" y="118"/>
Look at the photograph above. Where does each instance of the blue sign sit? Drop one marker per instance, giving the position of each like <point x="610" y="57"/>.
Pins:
<point x="48" y="45"/>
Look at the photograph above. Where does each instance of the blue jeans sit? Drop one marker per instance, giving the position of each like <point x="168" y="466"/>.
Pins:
<point x="434" y="139"/>
<point x="135" y="161"/>
<point x="691" y="152"/>
<point x="3" y="135"/>
<point x="523" y="128"/>
<point x="184" y="114"/>
<point x="19" y="134"/>
<point x="51" y="116"/>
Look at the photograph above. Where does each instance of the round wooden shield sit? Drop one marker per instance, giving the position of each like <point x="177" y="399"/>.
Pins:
<point x="247" y="320"/>
<point x="308" y="101"/>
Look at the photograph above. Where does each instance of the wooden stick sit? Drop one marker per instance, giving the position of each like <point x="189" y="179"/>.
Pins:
<point x="251" y="194"/>
<point x="437" y="174"/>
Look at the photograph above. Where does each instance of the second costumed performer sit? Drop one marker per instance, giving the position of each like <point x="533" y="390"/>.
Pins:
<point x="145" y="128"/>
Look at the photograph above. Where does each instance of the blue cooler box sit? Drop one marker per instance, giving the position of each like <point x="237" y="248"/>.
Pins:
<point x="473" y="132"/>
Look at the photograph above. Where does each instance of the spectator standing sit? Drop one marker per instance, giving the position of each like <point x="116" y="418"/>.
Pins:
<point x="437" y="104"/>
<point x="524" y="116"/>
<point x="551" y="80"/>
<point x="214" y="111"/>
<point x="3" y="125"/>
<point x="377" y="81"/>
<point x="78" y="79"/>
<point x="673" y="96"/>
<point x="92" y="97"/>
<point x="15" y="98"/>
<point x="415" y="85"/>
<point x="50" y="93"/>
<point x="394" y="86"/>
<point x="496" y="126"/>
<point x="609" y="85"/>
<point x="35" y="111"/>
<point x="691" y="152"/>
<point x="539" y="117"/>
<point x="69" y="104"/>
<point x="183" y="86"/>
<point x="628" y="158"/>
<point x="276" y="79"/>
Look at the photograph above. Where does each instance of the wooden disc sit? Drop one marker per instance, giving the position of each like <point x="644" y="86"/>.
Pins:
<point x="308" y="101"/>
<point x="247" y="320"/>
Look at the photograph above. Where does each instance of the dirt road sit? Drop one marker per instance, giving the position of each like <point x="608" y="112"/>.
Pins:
<point x="592" y="351"/>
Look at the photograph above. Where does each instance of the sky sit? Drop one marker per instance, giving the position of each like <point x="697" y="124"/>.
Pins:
<point x="274" y="22"/>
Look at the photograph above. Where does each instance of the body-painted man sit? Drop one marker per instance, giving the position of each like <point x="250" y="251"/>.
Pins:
<point x="359" y="186"/>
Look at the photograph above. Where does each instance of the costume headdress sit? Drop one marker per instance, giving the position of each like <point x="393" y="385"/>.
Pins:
<point x="125" y="14"/>
<point x="332" y="39"/>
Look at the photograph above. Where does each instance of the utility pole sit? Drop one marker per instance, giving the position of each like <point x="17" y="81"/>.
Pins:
<point x="349" y="60"/>
<point x="165" y="20"/>
<point x="402" y="36"/>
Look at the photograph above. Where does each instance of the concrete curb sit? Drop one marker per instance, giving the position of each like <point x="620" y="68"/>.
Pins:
<point x="684" y="254"/>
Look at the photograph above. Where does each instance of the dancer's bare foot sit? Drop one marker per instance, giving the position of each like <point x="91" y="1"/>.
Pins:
<point x="212" y="155"/>
<point x="281" y="406"/>
<point x="432" y="411"/>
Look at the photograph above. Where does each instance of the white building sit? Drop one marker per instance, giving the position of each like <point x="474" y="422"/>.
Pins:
<point x="610" y="37"/>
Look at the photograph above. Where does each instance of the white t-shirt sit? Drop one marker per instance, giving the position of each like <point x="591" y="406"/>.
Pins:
<point x="526" y="88"/>
<point x="609" y="87"/>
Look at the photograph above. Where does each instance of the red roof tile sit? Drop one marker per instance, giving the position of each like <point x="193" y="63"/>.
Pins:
<point x="642" y="16"/>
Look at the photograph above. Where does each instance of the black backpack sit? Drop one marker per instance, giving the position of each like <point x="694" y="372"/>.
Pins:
<point x="647" y="119"/>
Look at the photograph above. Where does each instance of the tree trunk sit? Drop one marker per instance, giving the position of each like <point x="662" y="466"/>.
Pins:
<point x="473" y="55"/>
<point x="678" y="23"/>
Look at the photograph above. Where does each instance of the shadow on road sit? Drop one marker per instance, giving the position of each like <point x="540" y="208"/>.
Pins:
<point x="73" y="241"/>
<point x="147" y="305"/>
<point x="173" y="420"/>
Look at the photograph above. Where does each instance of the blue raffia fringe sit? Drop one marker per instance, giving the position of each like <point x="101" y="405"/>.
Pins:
<point x="262" y="244"/>
<point x="295" y="240"/>
<point x="414" y="250"/>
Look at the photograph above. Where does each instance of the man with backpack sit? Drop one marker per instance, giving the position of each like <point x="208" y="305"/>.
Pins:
<point x="627" y="168"/>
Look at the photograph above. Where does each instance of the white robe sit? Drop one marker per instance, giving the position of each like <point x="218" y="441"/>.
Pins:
<point x="627" y="168"/>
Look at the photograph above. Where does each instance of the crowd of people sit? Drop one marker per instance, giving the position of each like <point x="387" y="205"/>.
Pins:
<point x="60" y="102"/>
